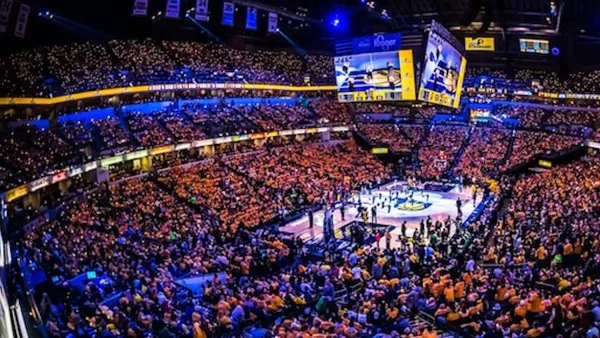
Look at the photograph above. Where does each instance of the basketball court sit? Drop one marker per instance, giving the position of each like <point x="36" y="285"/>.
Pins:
<point x="392" y="211"/>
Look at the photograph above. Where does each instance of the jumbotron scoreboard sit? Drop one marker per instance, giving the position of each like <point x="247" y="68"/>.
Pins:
<point x="383" y="73"/>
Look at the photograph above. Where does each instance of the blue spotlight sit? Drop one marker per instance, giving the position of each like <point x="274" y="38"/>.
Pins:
<point x="337" y="21"/>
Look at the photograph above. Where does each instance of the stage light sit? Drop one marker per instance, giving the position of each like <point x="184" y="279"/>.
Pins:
<point x="384" y="14"/>
<point x="46" y="14"/>
<point x="336" y="22"/>
<point x="277" y="30"/>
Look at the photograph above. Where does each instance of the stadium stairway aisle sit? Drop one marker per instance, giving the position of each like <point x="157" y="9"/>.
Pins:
<point x="123" y="123"/>
<point x="415" y="152"/>
<point x="461" y="151"/>
<point x="163" y="128"/>
<point x="509" y="151"/>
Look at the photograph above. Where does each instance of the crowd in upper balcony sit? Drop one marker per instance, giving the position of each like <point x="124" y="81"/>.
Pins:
<point x="79" y="67"/>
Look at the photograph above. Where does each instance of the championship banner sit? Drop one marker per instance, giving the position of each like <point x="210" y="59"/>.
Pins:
<point x="140" y="8"/>
<point x="173" y="9"/>
<point x="22" y="19"/>
<point x="228" y="9"/>
<point x="5" y="8"/>
<point x="273" y="23"/>
<point x="251" y="18"/>
<point x="201" y="10"/>
<point x="480" y="44"/>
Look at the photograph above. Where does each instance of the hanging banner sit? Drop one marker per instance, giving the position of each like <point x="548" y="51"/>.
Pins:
<point x="228" y="9"/>
<point x="173" y="9"/>
<point x="201" y="10"/>
<point x="22" y="19"/>
<point x="140" y="8"/>
<point x="251" y="18"/>
<point x="273" y="22"/>
<point x="5" y="8"/>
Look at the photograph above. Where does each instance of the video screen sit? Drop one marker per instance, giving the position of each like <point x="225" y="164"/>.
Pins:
<point x="443" y="72"/>
<point x="480" y="114"/>
<point x="534" y="46"/>
<point x="383" y="76"/>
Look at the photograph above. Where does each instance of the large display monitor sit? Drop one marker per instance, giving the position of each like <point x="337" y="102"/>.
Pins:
<point x="443" y="70"/>
<point x="534" y="46"/>
<point x="382" y="76"/>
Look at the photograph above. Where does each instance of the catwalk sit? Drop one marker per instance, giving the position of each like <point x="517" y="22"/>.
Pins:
<point x="436" y="204"/>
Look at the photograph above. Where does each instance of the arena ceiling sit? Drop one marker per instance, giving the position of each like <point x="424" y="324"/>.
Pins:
<point x="111" y="19"/>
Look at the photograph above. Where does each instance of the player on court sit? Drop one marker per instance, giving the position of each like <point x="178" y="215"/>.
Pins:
<point x="351" y="84"/>
<point x="392" y="81"/>
<point x="346" y="67"/>
<point x="390" y="68"/>
<point x="369" y="73"/>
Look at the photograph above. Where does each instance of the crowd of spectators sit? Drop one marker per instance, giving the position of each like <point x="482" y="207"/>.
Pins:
<point x="144" y="233"/>
<point x="438" y="152"/>
<point x="314" y="172"/>
<point x="142" y="237"/>
<point x="37" y="152"/>
<point x="588" y="118"/>
<point x="331" y="110"/>
<point x="583" y="82"/>
<point x="529" y="117"/>
<point x="536" y="117"/>
<point x="485" y="151"/>
<point x="379" y="108"/>
<point x="78" y="67"/>
<point x="30" y="152"/>
<point x="401" y="138"/>
<point x="76" y="133"/>
<point x="425" y="113"/>
<point x="146" y="131"/>
<point x="111" y="135"/>
<point x="210" y="217"/>
<point x="82" y="67"/>
<point x="528" y="145"/>
<point x="486" y="71"/>
<point x="182" y="129"/>
<point x="319" y="68"/>
<point x="580" y="82"/>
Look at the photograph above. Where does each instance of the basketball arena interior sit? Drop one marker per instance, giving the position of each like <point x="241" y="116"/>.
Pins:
<point x="300" y="168"/>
